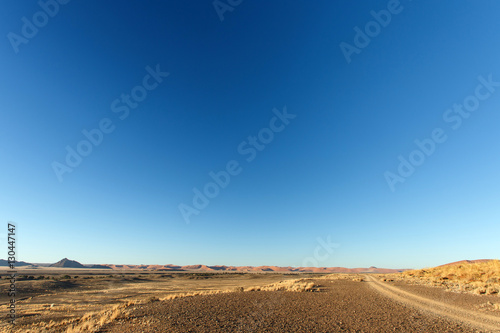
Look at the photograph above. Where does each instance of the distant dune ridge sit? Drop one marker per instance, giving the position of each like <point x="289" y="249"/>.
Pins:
<point x="222" y="268"/>
<point x="67" y="263"/>
<point x="466" y="262"/>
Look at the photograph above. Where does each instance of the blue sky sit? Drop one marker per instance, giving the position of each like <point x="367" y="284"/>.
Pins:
<point x="321" y="178"/>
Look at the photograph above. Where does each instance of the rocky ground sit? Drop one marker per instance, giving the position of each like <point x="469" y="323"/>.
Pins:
<point x="339" y="306"/>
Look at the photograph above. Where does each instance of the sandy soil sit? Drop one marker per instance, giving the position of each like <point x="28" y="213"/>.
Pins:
<point x="55" y="299"/>
<point x="340" y="306"/>
<point x="132" y="302"/>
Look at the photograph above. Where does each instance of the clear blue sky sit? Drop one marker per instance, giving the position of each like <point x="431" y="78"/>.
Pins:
<point x="323" y="175"/>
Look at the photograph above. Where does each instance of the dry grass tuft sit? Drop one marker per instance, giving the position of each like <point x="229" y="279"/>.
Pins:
<point x="197" y="293"/>
<point x="337" y="276"/>
<point x="299" y="285"/>
<point x="94" y="321"/>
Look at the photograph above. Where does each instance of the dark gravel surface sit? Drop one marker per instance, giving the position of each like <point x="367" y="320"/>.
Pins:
<point x="340" y="306"/>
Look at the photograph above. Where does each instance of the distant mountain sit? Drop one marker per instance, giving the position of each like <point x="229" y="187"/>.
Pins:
<point x="17" y="264"/>
<point x="68" y="264"/>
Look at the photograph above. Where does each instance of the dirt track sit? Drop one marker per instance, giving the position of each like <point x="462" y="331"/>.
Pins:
<point x="341" y="306"/>
<point x="483" y="321"/>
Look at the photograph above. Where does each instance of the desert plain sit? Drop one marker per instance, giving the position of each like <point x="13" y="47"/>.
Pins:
<point x="459" y="297"/>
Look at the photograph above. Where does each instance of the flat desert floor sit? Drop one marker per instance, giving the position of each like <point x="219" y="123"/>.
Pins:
<point x="137" y="301"/>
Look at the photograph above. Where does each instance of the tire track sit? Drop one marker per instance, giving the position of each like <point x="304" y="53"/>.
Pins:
<point x="472" y="318"/>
